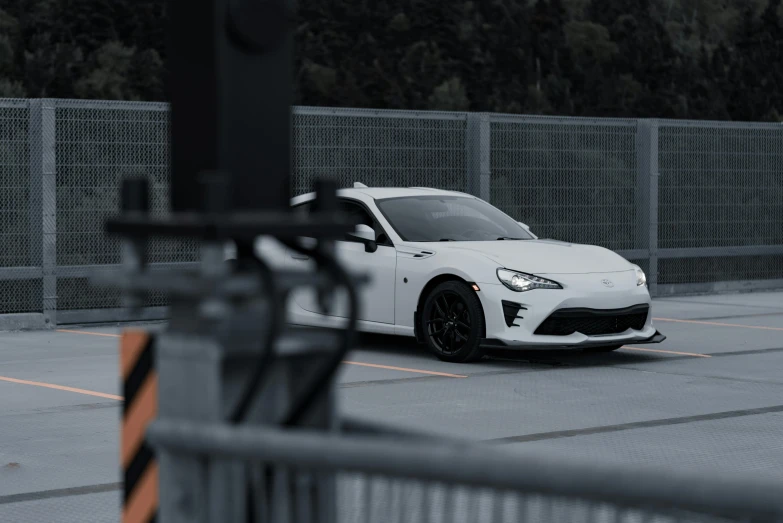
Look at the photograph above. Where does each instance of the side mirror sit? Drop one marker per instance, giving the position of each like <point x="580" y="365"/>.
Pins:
<point x="366" y="235"/>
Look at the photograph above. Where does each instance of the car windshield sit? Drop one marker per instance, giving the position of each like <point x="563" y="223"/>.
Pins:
<point x="449" y="218"/>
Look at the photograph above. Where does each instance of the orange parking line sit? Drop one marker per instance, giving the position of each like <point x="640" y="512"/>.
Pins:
<point x="717" y="324"/>
<point x="404" y="369"/>
<point x="119" y="398"/>
<point x="61" y="387"/>
<point x="694" y="354"/>
<point x="105" y="334"/>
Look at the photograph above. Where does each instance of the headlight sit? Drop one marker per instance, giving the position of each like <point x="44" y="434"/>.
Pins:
<point x="641" y="278"/>
<point x="520" y="282"/>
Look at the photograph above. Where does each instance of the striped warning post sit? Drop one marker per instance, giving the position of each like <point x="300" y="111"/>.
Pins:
<point x="140" y="406"/>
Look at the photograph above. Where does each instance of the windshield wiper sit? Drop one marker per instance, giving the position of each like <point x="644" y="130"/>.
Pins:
<point x="447" y="240"/>
<point x="510" y="238"/>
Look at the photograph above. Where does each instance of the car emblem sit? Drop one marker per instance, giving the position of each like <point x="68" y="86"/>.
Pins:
<point x="607" y="283"/>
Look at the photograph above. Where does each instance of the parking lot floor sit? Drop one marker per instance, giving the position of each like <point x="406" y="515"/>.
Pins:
<point x="709" y="398"/>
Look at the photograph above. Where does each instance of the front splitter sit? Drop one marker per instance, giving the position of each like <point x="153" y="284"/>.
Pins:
<point x="499" y="344"/>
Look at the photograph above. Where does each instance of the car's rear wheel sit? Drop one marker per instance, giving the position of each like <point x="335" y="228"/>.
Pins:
<point x="603" y="348"/>
<point x="452" y="323"/>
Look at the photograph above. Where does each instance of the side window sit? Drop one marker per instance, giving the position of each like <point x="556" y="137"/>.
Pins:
<point x="358" y="215"/>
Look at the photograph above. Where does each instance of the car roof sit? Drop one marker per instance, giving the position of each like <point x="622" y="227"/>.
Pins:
<point x="377" y="193"/>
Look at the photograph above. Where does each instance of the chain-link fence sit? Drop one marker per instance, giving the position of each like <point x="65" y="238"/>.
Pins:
<point x="721" y="190"/>
<point x="379" y="148"/>
<point x="97" y="144"/>
<point x="698" y="205"/>
<point x="571" y="180"/>
<point x="20" y="218"/>
<point x="577" y="180"/>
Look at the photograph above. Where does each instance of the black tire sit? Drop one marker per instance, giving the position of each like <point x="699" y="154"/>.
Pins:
<point x="605" y="348"/>
<point x="452" y="323"/>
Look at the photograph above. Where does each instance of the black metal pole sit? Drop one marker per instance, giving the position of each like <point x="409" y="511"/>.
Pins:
<point x="230" y="87"/>
<point x="230" y="66"/>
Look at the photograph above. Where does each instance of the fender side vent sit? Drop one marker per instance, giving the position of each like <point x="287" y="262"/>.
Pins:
<point x="510" y="312"/>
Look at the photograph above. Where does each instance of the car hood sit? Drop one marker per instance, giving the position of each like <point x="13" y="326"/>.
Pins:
<point x="543" y="256"/>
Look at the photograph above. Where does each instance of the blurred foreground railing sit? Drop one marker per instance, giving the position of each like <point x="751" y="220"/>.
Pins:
<point x="382" y="479"/>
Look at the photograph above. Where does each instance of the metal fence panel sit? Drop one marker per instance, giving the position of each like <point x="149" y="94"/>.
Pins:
<point x="720" y="186"/>
<point x="569" y="179"/>
<point x="20" y="190"/>
<point x="97" y="144"/>
<point x="379" y="148"/>
<point x="698" y="205"/>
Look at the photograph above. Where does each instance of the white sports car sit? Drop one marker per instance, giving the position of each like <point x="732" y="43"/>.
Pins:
<point x="461" y="276"/>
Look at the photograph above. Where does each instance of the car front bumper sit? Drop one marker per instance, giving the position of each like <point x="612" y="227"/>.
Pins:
<point x="594" y="341"/>
<point x="509" y="327"/>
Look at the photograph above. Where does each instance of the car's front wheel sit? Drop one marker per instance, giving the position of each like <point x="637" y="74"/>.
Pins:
<point x="452" y="323"/>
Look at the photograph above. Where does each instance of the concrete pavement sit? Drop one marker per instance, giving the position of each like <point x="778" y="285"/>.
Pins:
<point x="709" y="398"/>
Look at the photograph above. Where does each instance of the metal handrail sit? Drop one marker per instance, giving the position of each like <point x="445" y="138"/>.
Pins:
<point x="471" y="464"/>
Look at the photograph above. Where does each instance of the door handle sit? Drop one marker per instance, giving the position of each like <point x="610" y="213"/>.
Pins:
<point x="300" y="257"/>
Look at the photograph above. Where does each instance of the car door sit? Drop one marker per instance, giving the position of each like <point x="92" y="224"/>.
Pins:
<point x="376" y="298"/>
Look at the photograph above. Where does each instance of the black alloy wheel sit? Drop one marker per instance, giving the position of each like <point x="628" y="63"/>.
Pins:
<point x="453" y="323"/>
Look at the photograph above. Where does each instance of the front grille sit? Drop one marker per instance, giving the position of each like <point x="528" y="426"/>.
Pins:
<point x="594" y="322"/>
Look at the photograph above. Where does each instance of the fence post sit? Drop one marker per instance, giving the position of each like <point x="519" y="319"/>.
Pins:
<point x="43" y="200"/>
<point x="477" y="142"/>
<point x="647" y="196"/>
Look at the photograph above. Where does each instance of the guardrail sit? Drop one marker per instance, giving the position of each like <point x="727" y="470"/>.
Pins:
<point x="382" y="478"/>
